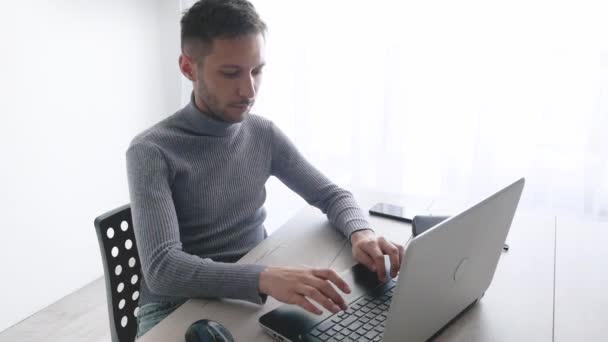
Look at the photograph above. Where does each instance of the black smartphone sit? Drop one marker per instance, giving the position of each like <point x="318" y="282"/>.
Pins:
<point x="392" y="211"/>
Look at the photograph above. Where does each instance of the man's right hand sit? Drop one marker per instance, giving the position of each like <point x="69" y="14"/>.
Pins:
<point x="298" y="285"/>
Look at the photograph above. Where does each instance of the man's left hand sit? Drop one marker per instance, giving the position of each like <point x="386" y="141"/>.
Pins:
<point x="370" y="249"/>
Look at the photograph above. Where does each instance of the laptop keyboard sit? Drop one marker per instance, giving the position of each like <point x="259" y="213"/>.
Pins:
<point x="364" y="320"/>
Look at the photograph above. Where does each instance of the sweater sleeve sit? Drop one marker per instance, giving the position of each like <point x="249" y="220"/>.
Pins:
<point x="166" y="268"/>
<point x="303" y="178"/>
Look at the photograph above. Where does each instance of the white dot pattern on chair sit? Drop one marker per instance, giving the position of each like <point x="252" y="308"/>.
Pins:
<point x="123" y="269"/>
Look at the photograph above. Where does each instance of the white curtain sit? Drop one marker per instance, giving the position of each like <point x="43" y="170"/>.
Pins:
<point x="445" y="98"/>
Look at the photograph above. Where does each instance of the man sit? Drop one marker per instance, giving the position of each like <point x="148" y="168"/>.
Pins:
<point x="197" y="179"/>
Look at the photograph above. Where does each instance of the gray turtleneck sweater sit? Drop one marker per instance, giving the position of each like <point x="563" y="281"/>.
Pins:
<point x="197" y="195"/>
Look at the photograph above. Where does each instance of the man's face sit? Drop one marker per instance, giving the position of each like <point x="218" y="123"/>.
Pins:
<point x="226" y="80"/>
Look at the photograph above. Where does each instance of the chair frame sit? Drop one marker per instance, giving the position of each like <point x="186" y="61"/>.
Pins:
<point x="113" y="219"/>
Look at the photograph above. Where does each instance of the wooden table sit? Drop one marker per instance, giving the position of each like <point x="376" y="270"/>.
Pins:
<point x="581" y="280"/>
<point x="518" y="306"/>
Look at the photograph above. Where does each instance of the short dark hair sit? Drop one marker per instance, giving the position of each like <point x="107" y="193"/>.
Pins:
<point x="207" y="20"/>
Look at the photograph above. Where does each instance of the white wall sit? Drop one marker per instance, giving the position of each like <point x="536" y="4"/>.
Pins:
<point x="78" y="79"/>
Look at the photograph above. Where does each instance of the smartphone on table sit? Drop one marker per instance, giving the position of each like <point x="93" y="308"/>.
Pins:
<point x="392" y="211"/>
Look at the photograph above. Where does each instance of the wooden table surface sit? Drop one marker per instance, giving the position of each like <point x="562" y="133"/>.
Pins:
<point x="518" y="306"/>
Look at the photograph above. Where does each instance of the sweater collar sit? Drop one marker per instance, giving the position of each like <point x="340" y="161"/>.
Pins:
<point x="204" y="124"/>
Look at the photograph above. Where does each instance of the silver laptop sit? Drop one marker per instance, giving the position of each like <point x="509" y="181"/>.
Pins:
<point x="445" y="270"/>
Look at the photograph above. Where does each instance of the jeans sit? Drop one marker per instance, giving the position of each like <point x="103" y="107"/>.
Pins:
<point x="151" y="313"/>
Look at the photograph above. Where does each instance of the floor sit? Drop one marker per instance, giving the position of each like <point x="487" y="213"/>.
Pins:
<point x="78" y="317"/>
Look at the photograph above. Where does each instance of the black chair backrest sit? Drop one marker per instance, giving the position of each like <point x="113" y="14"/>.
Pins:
<point x="122" y="271"/>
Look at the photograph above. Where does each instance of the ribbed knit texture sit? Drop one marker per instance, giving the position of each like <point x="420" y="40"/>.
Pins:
<point x="197" y="195"/>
